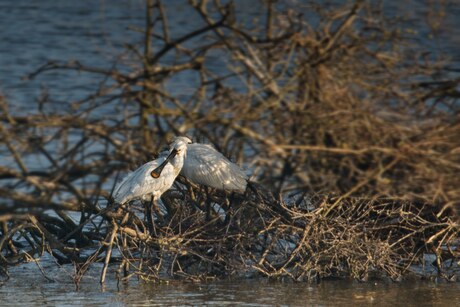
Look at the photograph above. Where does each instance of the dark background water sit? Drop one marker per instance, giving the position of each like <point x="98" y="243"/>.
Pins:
<point x="95" y="33"/>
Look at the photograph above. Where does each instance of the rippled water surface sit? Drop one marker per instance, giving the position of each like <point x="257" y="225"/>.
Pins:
<point x="27" y="287"/>
<point x="96" y="32"/>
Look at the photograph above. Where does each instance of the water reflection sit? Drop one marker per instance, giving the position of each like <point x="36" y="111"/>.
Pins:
<point x="262" y="293"/>
<point x="27" y="287"/>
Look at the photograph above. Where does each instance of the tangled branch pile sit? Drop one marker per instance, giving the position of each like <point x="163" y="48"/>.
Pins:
<point x="346" y="105"/>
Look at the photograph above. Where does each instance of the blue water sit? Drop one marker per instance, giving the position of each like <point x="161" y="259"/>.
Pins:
<point x="95" y="33"/>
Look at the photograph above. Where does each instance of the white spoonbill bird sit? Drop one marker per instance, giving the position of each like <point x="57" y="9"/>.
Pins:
<point x="204" y="165"/>
<point x="155" y="177"/>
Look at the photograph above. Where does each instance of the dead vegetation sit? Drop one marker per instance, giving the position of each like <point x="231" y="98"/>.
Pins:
<point x="348" y="106"/>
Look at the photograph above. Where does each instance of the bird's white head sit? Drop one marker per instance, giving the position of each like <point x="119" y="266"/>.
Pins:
<point x="179" y="145"/>
<point x="177" y="153"/>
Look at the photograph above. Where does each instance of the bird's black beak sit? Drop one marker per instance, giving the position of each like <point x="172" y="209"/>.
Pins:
<point x="157" y="172"/>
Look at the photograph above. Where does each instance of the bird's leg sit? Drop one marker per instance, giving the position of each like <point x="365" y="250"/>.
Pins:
<point x="149" y="215"/>
<point x="208" y="205"/>
<point x="228" y="209"/>
<point x="190" y="191"/>
<point x="192" y="196"/>
<point x="157" y="211"/>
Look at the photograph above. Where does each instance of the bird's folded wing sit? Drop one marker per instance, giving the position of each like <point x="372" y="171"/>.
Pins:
<point x="205" y="165"/>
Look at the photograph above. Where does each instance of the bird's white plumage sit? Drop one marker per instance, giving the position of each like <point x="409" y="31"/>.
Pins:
<point x="205" y="165"/>
<point x="140" y="184"/>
